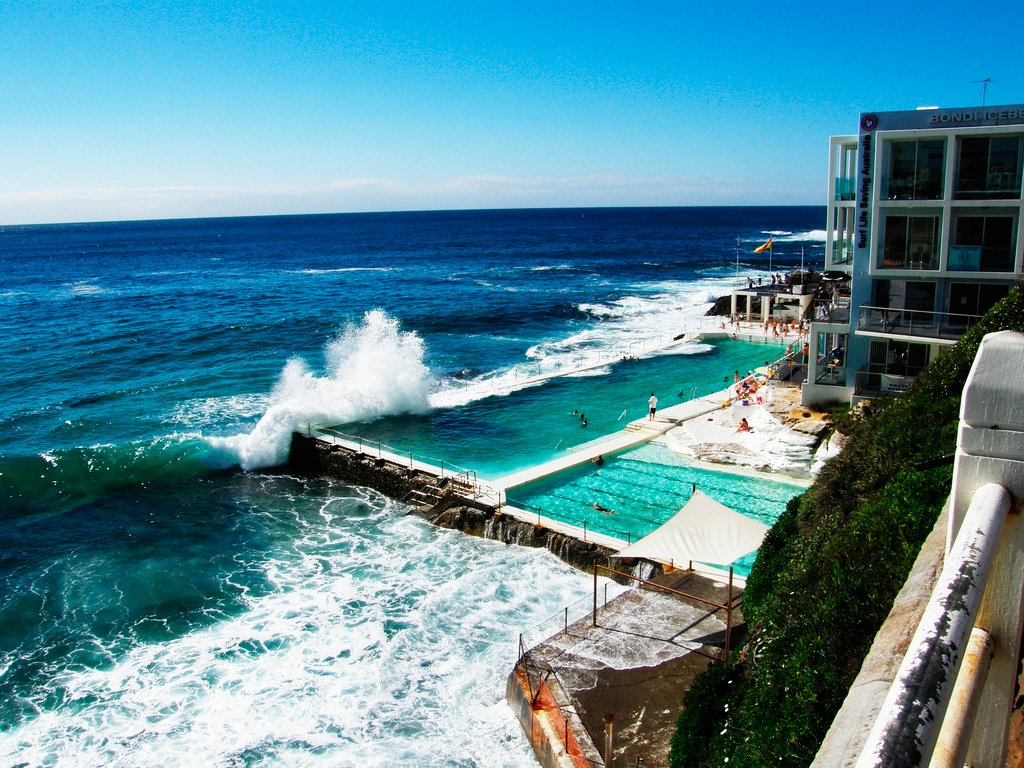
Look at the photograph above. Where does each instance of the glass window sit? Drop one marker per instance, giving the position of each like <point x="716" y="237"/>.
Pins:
<point x="910" y="242"/>
<point x="897" y="358"/>
<point x="989" y="167"/>
<point x="983" y="244"/>
<point x="916" y="169"/>
<point x="974" y="299"/>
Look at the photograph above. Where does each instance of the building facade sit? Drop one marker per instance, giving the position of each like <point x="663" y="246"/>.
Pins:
<point x="924" y="234"/>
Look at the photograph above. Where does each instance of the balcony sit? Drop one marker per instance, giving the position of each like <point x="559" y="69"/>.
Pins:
<point x="869" y="381"/>
<point x="940" y="326"/>
<point x="830" y="374"/>
<point x="842" y="251"/>
<point x="835" y="310"/>
<point x="846" y="189"/>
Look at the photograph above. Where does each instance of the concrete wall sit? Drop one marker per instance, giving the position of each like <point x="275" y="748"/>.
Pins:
<point x="309" y="456"/>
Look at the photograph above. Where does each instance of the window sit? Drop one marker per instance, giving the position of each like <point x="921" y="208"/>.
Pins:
<point x="983" y="244"/>
<point x="915" y="170"/>
<point x="919" y="296"/>
<point x="910" y="242"/>
<point x="989" y="167"/>
<point x="897" y="358"/>
<point x="969" y="300"/>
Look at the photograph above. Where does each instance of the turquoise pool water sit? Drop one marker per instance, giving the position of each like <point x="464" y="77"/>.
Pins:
<point x="644" y="487"/>
<point x="499" y="435"/>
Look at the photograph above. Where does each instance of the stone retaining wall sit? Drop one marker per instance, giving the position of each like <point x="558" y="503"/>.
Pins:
<point x="311" y="457"/>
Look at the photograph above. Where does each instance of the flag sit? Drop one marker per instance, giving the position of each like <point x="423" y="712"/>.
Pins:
<point x="765" y="247"/>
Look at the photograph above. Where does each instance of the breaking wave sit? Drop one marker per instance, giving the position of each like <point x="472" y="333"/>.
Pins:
<point x="373" y="369"/>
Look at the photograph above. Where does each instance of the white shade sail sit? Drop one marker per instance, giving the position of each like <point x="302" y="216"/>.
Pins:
<point x="704" y="531"/>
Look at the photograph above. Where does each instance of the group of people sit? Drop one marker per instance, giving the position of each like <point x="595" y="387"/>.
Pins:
<point x="783" y="327"/>
<point x="776" y="279"/>
<point x="747" y="387"/>
<point x="583" y="416"/>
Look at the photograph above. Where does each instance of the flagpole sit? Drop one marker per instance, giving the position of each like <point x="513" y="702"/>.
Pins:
<point x="737" y="262"/>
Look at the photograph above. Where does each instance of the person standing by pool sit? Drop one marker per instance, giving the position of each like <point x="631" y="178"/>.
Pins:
<point x="652" y="404"/>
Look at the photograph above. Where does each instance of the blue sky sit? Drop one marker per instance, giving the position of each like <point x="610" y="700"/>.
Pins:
<point x="125" y="110"/>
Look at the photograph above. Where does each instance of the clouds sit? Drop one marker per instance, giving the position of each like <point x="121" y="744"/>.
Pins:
<point x="375" y="194"/>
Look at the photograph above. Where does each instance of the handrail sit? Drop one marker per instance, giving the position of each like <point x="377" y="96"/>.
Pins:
<point x="948" y="326"/>
<point x="729" y="606"/>
<point x="907" y="729"/>
<point x="462" y="475"/>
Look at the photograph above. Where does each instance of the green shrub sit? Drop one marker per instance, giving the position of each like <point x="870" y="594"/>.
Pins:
<point x="827" y="573"/>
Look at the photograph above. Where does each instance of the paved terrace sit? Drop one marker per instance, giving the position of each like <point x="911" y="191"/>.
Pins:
<point x="644" y="653"/>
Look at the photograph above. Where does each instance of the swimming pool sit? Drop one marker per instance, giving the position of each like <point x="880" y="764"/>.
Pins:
<point x="642" y="488"/>
<point x="511" y="431"/>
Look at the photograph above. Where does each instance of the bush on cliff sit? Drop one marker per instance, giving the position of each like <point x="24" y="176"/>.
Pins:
<point x="827" y="573"/>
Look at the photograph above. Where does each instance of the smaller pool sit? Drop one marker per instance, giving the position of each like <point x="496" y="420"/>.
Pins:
<point x="642" y="488"/>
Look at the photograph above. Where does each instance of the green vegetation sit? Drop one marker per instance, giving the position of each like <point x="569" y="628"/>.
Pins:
<point x="827" y="573"/>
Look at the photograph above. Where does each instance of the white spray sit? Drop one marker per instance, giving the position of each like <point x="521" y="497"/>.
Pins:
<point x="374" y="369"/>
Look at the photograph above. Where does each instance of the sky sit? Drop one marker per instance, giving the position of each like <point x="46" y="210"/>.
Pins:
<point x="145" y="109"/>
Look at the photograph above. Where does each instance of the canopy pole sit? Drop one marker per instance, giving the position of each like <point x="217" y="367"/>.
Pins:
<point x="594" y="620"/>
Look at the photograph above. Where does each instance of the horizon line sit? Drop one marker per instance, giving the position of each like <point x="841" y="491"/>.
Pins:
<point x="404" y="211"/>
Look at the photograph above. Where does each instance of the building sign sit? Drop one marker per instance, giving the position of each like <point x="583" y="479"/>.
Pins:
<point x="974" y="117"/>
<point x="917" y="119"/>
<point x="965" y="258"/>
<point x="864" y="193"/>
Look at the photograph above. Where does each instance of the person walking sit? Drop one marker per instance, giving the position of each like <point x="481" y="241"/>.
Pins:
<point x="652" y="405"/>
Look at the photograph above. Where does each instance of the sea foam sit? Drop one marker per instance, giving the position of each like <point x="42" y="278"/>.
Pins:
<point x="372" y="369"/>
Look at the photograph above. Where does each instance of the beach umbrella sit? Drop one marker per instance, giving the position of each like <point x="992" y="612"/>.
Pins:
<point x="835" y="275"/>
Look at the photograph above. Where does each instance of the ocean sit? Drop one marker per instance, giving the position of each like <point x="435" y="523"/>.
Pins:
<point x="170" y="595"/>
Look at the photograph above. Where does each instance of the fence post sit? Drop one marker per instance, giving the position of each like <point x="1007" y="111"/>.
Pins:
<point x="728" y="620"/>
<point x="609" y="721"/>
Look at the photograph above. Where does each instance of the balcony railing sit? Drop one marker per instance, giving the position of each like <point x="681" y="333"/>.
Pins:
<point x="833" y="311"/>
<point x="829" y="373"/>
<point x="872" y="383"/>
<point x="945" y="326"/>
<point x="846" y="189"/>
<point x="899" y="259"/>
<point x="842" y="251"/>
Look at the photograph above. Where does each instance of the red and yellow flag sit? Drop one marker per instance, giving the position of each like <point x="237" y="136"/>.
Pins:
<point x="763" y="248"/>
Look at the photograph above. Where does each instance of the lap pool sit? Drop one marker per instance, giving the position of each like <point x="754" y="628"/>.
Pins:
<point x="642" y="488"/>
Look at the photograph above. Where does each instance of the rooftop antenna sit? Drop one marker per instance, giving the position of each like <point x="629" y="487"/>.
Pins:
<point x="984" y="87"/>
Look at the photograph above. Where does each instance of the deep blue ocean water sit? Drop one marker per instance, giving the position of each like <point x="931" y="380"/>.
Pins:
<point x="168" y="597"/>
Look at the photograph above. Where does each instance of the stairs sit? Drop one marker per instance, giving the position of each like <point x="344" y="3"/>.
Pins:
<point x="438" y="491"/>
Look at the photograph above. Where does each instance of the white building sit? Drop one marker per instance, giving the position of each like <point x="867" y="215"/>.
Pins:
<point x="925" y="218"/>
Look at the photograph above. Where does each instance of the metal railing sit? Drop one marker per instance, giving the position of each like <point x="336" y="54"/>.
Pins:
<point x="464" y="479"/>
<point x="730" y="605"/>
<point x="948" y="699"/>
<point x="918" y="723"/>
<point x="874" y="383"/>
<point x="945" y="326"/>
<point x="585" y="524"/>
